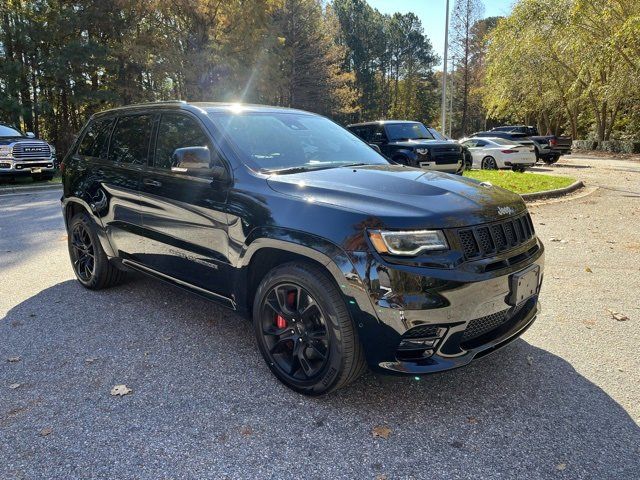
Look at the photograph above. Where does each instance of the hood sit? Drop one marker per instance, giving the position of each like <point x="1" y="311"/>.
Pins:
<point x="12" y="140"/>
<point x="421" y="143"/>
<point x="402" y="197"/>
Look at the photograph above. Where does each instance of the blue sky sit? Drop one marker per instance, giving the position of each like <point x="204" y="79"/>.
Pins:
<point x="432" y="14"/>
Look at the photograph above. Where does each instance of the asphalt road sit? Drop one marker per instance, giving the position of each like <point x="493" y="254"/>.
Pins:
<point x="561" y="402"/>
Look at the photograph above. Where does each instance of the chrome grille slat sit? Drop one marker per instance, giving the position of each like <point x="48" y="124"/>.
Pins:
<point x="22" y="150"/>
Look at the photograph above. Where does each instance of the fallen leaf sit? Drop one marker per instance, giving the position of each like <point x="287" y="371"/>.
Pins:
<point x="90" y="359"/>
<point x="121" y="390"/>
<point x="554" y="239"/>
<point x="457" y="444"/>
<point x="246" y="431"/>
<point x="472" y="420"/>
<point x="13" y="386"/>
<point x="381" y="431"/>
<point x="561" y="466"/>
<point x="621" y="317"/>
<point x="588" y="270"/>
<point x="46" y="431"/>
<point x="14" y="359"/>
<point x="529" y="360"/>
<point x="381" y="477"/>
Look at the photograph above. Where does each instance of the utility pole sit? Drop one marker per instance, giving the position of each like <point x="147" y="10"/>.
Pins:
<point x="453" y="69"/>
<point x="444" y="70"/>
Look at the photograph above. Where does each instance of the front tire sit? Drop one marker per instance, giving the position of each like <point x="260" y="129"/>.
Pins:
<point x="89" y="261"/>
<point x="304" y="330"/>
<point x="489" y="163"/>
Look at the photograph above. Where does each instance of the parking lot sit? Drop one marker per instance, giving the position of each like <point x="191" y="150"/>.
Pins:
<point x="561" y="402"/>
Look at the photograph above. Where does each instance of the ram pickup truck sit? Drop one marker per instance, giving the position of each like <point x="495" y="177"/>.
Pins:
<point x="549" y="148"/>
<point x="412" y="144"/>
<point x="21" y="154"/>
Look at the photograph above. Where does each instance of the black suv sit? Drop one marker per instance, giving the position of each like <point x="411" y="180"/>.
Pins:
<point x="412" y="144"/>
<point x="341" y="259"/>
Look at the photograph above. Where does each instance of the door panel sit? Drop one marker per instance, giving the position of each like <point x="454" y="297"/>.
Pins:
<point x="121" y="175"/>
<point x="183" y="214"/>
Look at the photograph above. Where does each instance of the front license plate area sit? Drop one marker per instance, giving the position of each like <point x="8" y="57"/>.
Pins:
<point x="36" y="170"/>
<point x="524" y="285"/>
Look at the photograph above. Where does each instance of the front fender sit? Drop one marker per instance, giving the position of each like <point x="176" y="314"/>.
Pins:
<point x="334" y="259"/>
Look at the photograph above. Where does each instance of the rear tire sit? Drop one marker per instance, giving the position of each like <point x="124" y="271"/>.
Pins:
<point x="489" y="163"/>
<point x="518" y="168"/>
<point x="88" y="260"/>
<point x="304" y="330"/>
<point x="551" y="160"/>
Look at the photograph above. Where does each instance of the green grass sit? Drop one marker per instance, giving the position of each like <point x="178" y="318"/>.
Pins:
<point x="520" y="182"/>
<point x="27" y="182"/>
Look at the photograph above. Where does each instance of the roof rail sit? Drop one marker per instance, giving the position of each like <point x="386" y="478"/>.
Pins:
<point x="144" y="105"/>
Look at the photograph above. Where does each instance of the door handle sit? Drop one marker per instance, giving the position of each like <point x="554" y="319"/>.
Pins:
<point x="152" y="183"/>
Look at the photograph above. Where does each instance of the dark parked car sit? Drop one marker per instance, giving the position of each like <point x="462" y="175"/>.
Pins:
<point x="340" y="258"/>
<point x="411" y="144"/>
<point x="468" y="158"/>
<point x="21" y="154"/>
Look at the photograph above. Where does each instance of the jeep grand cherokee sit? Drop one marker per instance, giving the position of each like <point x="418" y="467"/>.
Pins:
<point x="340" y="259"/>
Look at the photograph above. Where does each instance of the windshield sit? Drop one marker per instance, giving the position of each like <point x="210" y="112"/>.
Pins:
<point x="437" y="135"/>
<point x="278" y="141"/>
<point x="408" y="131"/>
<point x="10" y="132"/>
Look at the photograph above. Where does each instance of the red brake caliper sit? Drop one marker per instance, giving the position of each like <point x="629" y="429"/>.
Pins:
<point x="291" y="300"/>
<point x="280" y="321"/>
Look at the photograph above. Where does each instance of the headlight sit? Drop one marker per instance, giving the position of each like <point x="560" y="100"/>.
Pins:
<point x="409" y="242"/>
<point x="422" y="151"/>
<point x="5" y="150"/>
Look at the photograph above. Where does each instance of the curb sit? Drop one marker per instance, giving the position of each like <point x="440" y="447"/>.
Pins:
<point x="30" y="189"/>
<point x="559" y="192"/>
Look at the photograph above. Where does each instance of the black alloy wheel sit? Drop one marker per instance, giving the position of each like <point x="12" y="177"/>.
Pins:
<point x="89" y="261"/>
<point x="82" y="251"/>
<point x="304" y="329"/>
<point x="295" y="332"/>
<point x="489" y="163"/>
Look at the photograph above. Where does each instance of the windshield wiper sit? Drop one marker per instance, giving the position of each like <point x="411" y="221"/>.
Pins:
<point x="298" y="169"/>
<point x="354" y="164"/>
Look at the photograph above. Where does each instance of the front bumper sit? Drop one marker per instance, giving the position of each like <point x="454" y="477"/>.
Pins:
<point x="460" y="314"/>
<point x="13" y="167"/>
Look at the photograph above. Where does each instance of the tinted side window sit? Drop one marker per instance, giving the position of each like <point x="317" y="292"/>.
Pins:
<point x="360" y="132"/>
<point x="178" y="131"/>
<point x="130" y="140"/>
<point x="96" y="139"/>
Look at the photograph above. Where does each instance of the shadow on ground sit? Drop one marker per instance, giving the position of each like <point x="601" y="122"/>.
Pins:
<point x="205" y="405"/>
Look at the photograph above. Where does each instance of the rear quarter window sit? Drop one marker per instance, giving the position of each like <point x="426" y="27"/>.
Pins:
<point x="95" y="141"/>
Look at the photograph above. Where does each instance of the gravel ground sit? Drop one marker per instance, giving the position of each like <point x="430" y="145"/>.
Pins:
<point x="561" y="402"/>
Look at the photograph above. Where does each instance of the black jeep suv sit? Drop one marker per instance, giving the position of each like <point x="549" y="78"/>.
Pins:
<point x="412" y="144"/>
<point x="341" y="259"/>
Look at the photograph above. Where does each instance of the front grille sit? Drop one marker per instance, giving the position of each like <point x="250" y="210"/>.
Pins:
<point x="28" y="150"/>
<point x="484" y="240"/>
<point x="480" y="326"/>
<point x="446" y="154"/>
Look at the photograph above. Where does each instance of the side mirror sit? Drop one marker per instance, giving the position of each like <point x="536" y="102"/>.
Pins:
<point x="30" y="135"/>
<point x="196" y="161"/>
<point x="376" y="148"/>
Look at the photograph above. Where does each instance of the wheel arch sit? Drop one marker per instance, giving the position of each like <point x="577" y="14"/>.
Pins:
<point x="267" y="248"/>
<point x="72" y="206"/>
